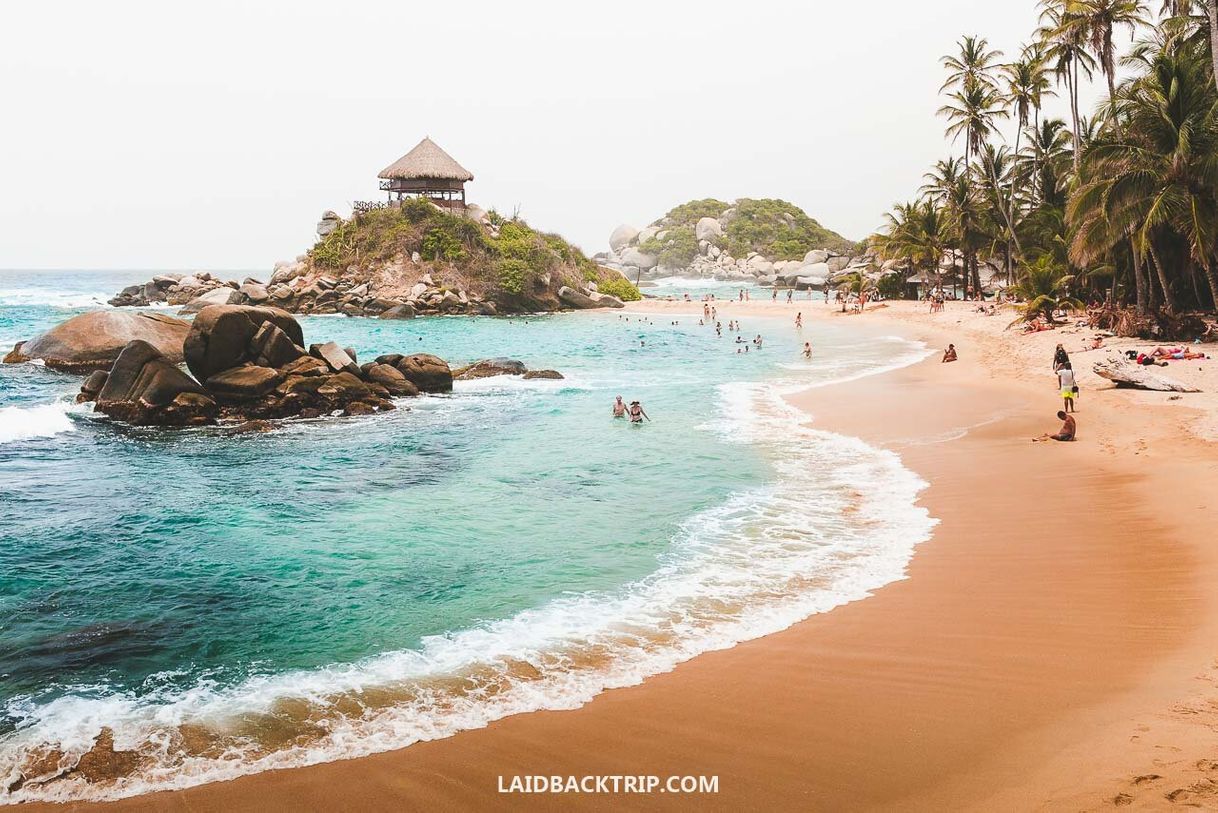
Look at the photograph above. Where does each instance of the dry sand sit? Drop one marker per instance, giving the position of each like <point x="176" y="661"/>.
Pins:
<point x="1053" y="647"/>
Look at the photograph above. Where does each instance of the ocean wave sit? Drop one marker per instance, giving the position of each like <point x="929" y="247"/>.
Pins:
<point x="837" y="521"/>
<point x="54" y="298"/>
<point x="26" y="423"/>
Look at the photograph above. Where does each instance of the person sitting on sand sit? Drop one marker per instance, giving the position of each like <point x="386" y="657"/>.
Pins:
<point x="1066" y="433"/>
<point x="1067" y="385"/>
<point x="1097" y="343"/>
<point x="619" y="408"/>
<point x="636" y="412"/>
<point x="949" y="354"/>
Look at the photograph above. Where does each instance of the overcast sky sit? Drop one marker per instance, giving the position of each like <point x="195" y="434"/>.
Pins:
<point x="157" y="135"/>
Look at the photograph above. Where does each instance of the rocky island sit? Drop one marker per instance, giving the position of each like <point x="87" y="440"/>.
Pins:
<point x="765" y="241"/>
<point x="410" y="258"/>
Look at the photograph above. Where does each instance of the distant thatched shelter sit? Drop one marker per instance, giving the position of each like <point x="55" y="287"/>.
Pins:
<point x="427" y="171"/>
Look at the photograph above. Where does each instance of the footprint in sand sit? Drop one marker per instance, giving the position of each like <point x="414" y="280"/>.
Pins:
<point x="1146" y="777"/>
<point x="1122" y="799"/>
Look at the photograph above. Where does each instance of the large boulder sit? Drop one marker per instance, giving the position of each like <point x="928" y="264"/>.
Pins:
<point x="216" y="296"/>
<point x="490" y="367"/>
<point x="145" y="388"/>
<point x="243" y="383"/>
<point x="622" y="236"/>
<point x="271" y="347"/>
<point x="552" y="374"/>
<point x="93" y="341"/>
<point x="427" y="372"/>
<point x="220" y="337"/>
<point x="639" y="259"/>
<point x="575" y="299"/>
<point x="403" y="310"/>
<point x="391" y="379"/>
<point x="335" y="356"/>
<point x="816" y="255"/>
<point x="708" y="228"/>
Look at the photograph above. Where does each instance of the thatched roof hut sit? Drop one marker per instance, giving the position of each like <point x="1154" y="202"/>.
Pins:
<point x="427" y="171"/>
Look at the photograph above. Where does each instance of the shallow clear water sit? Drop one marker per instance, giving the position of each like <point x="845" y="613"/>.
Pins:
<point x="225" y="604"/>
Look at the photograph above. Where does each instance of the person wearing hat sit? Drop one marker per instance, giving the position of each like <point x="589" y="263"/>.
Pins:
<point x="636" y="412"/>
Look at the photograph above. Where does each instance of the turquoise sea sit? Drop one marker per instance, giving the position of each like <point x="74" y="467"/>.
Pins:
<point x="220" y="604"/>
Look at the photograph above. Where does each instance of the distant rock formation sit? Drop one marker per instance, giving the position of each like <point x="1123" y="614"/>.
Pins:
<point x="769" y="242"/>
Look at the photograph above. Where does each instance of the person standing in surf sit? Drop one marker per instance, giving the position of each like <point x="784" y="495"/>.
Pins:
<point x="636" y="412"/>
<point x="619" y="408"/>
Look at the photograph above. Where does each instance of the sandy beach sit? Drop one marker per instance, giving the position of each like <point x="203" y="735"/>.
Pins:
<point x="1053" y="647"/>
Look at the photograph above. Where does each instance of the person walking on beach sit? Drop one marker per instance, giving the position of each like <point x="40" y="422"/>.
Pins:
<point x="1066" y="433"/>
<point x="1060" y="357"/>
<point x="636" y="412"/>
<point x="619" y="408"/>
<point x="789" y="292"/>
<point x="799" y="320"/>
<point x="1067" y="385"/>
<point x="774" y="296"/>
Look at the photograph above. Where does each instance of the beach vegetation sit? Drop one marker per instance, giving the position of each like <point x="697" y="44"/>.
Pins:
<point x="620" y="287"/>
<point x="505" y="254"/>
<point x="1116" y="206"/>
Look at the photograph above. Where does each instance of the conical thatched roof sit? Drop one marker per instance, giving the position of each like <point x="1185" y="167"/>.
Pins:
<point x="426" y="160"/>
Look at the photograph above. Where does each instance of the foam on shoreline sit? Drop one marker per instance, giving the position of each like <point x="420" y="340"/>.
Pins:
<point x="811" y="539"/>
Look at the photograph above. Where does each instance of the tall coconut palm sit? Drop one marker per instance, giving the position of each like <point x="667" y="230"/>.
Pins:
<point x="1097" y="21"/>
<point x="971" y="112"/>
<point x="916" y="235"/>
<point x="972" y="64"/>
<point x="1065" y="47"/>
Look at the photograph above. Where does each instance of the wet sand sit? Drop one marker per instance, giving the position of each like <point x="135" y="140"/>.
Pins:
<point x="1052" y="647"/>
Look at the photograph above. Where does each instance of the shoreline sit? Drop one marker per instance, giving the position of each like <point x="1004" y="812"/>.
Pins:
<point x="959" y="685"/>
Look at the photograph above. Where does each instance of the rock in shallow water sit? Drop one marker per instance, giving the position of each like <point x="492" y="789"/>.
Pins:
<point x="145" y="388"/>
<point x="92" y="341"/>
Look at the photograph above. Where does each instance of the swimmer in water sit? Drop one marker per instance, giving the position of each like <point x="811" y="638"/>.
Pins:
<point x="636" y="412"/>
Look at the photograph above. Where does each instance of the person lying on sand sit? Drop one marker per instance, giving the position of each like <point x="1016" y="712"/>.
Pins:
<point x="1066" y="433"/>
<point x="1176" y="353"/>
<point x="619" y="408"/>
<point x="949" y="354"/>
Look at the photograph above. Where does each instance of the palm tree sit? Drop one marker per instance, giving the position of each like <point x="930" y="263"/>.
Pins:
<point x="1158" y="172"/>
<point x="916" y="235"/>
<point x="1044" y="286"/>
<point x="1065" y="46"/>
<point x="972" y="65"/>
<point x="971" y="112"/>
<point x="1097" y="21"/>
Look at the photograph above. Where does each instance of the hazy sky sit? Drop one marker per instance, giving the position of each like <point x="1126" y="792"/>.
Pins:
<point x="148" y="135"/>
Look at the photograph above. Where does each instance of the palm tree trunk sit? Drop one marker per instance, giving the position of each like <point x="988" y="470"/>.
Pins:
<point x="1073" y="88"/>
<point x="1211" y="274"/>
<point x="1211" y="11"/>
<point x="1141" y="296"/>
<point x="1036" y="196"/>
<point x="1169" y="301"/>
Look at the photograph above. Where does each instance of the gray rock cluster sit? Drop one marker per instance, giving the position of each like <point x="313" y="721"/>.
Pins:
<point x="250" y="363"/>
<point x="290" y="289"/>
<point x="817" y="268"/>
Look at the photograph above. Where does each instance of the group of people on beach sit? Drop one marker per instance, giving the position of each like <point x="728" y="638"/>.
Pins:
<point x="1067" y="385"/>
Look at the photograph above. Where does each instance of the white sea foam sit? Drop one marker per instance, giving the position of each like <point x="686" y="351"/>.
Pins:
<point x="51" y="297"/>
<point x="42" y="421"/>
<point x="838" y="520"/>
